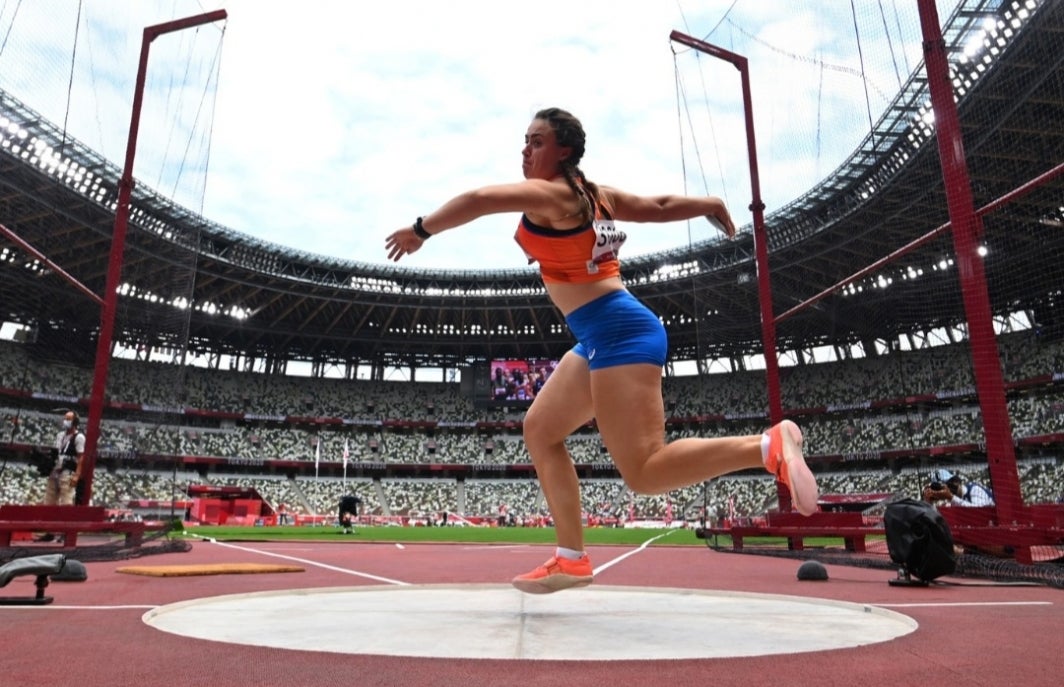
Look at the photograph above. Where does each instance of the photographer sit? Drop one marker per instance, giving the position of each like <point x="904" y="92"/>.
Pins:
<point x="948" y="486"/>
<point x="69" y="451"/>
<point x="348" y="512"/>
<point x="66" y="473"/>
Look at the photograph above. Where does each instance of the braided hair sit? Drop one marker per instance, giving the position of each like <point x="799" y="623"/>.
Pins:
<point x="569" y="133"/>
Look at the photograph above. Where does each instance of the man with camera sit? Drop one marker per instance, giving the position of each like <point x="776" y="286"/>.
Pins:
<point x="69" y="452"/>
<point x="66" y="473"/>
<point x="948" y="486"/>
<point x="349" y="512"/>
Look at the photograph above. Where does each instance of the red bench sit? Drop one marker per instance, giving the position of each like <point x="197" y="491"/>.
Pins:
<point x="853" y="537"/>
<point x="68" y="521"/>
<point x="850" y="527"/>
<point x="1040" y="524"/>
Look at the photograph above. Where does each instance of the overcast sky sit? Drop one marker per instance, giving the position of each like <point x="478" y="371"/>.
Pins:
<point x="324" y="126"/>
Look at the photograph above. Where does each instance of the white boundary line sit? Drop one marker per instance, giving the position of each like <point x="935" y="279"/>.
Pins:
<point x="605" y="566"/>
<point x="960" y="604"/>
<point x="642" y="547"/>
<point x="316" y="564"/>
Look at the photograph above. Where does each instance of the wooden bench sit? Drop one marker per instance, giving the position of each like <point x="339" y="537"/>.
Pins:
<point x="68" y="521"/>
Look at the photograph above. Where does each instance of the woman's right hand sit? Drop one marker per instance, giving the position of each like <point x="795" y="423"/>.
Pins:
<point x="402" y="242"/>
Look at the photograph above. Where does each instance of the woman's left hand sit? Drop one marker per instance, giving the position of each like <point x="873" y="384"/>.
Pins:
<point x="723" y="222"/>
<point x="402" y="242"/>
<point x="721" y="218"/>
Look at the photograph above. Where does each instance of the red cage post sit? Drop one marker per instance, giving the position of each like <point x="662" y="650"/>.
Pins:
<point x="118" y="244"/>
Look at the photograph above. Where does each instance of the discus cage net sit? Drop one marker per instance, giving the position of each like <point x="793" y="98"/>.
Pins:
<point x="925" y="278"/>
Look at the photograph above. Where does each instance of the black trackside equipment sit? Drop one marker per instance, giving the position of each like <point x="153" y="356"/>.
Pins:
<point x="919" y="541"/>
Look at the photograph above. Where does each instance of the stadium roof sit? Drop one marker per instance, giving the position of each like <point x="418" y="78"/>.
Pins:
<point x="238" y="296"/>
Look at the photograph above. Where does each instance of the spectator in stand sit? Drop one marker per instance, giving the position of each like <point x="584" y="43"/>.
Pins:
<point x="613" y="374"/>
<point x="950" y="487"/>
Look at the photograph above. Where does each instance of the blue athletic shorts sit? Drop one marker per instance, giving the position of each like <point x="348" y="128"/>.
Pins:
<point x="617" y="329"/>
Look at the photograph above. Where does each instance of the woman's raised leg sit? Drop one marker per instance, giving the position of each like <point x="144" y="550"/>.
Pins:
<point x="630" y="415"/>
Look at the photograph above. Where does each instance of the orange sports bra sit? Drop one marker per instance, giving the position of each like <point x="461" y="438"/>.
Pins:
<point x="584" y="254"/>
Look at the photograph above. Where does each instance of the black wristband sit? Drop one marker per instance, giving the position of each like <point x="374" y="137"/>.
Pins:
<point x="419" y="230"/>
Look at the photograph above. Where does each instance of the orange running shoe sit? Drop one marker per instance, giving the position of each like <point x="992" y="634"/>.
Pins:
<point x="555" y="575"/>
<point x="786" y="462"/>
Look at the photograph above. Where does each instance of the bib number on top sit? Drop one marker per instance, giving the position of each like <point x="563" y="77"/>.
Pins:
<point x="607" y="246"/>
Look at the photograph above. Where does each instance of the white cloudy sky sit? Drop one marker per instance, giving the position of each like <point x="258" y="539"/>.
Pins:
<point x="331" y="123"/>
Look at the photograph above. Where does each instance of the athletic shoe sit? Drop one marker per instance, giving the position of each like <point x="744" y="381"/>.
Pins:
<point x="555" y="575"/>
<point x="786" y="462"/>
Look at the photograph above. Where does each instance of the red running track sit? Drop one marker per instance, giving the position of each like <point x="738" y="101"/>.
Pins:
<point x="93" y="634"/>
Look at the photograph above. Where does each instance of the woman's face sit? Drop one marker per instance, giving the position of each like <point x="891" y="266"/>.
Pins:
<point x="542" y="156"/>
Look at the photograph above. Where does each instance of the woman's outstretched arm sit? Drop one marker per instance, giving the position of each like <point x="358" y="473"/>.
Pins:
<point x="532" y="195"/>
<point x="629" y="207"/>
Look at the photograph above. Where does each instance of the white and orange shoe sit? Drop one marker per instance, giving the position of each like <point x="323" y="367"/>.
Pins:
<point x="555" y="575"/>
<point x="786" y="462"/>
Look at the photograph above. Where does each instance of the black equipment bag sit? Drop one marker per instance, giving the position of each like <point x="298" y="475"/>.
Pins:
<point x="919" y="539"/>
<point x="44" y="461"/>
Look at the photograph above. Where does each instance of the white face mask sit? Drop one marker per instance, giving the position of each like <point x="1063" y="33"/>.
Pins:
<point x="67" y="424"/>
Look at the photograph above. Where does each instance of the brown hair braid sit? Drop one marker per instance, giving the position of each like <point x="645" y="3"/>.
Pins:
<point x="569" y="133"/>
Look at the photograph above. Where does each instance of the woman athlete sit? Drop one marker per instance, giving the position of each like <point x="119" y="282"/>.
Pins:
<point x="613" y="374"/>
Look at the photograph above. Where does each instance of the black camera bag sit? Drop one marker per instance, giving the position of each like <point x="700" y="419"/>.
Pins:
<point x="44" y="461"/>
<point x="919" y="539"/>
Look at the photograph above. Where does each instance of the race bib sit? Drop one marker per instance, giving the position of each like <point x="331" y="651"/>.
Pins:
<point x="607" y="246"/>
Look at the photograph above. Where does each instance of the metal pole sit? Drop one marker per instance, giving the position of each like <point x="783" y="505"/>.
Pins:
<point x="757" y="207"/>
<point x="967" y="229"/>
<point x="118" y="245"/>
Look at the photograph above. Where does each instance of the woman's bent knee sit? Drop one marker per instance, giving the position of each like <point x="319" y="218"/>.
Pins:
<point x="539" y="430"/>
<point x="539" y="446"/>
<point x="641" y="482"/>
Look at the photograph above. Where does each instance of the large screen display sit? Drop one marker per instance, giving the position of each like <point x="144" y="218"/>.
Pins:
<point x="516" y="382"/>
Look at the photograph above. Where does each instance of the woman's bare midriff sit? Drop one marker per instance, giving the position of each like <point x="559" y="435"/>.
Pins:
<point x="568" y="297"/>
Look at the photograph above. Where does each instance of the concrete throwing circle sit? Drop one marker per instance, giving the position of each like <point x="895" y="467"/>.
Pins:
<point x="497" y="622"/>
